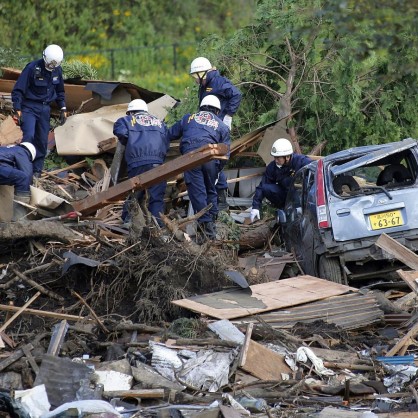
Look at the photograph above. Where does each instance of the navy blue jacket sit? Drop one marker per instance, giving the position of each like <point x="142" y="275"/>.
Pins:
<point x="199" y="129"/>
<point x="19" y="158"/>
<point x="224" y="90"/>
<point x="145" y="138"/>
<point x="280" y="176"/>
<point x="38" y="84"/>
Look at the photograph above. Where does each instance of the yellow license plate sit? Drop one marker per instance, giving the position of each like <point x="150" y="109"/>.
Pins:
<point x="386" y="219"/>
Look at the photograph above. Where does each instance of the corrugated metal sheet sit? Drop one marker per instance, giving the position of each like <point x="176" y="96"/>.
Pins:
<point x="348" y="311"/>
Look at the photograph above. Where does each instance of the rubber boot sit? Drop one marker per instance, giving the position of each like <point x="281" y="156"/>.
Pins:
<point x="20" y="211"/>
<point x="222" y="203"/>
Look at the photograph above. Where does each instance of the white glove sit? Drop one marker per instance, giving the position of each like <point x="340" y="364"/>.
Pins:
<point x="228" y="121"/>
<point x="255" y="214"/>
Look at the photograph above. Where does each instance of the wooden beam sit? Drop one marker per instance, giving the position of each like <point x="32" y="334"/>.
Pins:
<point x="393" y="247"/>
<point x="165" y="171"/>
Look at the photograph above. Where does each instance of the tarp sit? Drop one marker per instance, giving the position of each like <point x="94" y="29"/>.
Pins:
<point x="83" y="132"/>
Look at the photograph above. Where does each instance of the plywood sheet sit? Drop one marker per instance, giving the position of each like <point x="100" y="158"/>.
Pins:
<point x="264" y="363"/>
<point x="235" y="303"/>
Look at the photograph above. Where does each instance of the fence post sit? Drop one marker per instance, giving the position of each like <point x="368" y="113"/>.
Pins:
<point x="175" y="45"/>
<point x="112" y="61"/>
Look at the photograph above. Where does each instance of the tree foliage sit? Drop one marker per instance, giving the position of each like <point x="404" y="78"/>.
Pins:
<point x="329" y="69"/>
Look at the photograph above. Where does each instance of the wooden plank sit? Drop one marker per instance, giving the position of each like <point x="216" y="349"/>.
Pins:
<point x="264" y="363"/>
<point x="136" y="393"/>
<point x="245" y="346"/>
<point x="410" y="278"/>
<point x="165" y="171"/>
<point x="47" y="314"/>
<point x="393" y="247"/>
<point x="265" y="297"/>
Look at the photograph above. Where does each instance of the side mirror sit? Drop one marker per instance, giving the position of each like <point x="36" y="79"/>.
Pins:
<point x="280" y="216"/>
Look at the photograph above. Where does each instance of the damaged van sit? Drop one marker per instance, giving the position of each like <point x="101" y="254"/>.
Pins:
<point x="338" y="206"/>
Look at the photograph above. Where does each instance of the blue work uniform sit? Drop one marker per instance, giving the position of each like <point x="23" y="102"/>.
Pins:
<point x="230" y="98"/>
<point x="276" y="181"/>
<point x="32" y="94"/>
<point x="146" y="142"/>
<point x="196" y="130"/>
<point x="16" y="168"/>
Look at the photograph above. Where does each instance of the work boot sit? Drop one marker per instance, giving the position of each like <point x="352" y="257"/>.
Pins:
<point x="210" y="230"/>
<point x="20" y="211"/>
<point x="222" y="203"/>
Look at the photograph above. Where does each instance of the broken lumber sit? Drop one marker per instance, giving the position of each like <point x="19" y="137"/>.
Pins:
<point x="47" y="314"/>
<point x="136" y="393"/>
<point x="10" y="320"/>
<point x="163" y="172"/>
<point x="14" y="357"/>
<point x="393" y="247"/>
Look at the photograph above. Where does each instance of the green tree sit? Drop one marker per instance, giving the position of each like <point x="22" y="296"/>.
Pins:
<point x="333" y="84"/>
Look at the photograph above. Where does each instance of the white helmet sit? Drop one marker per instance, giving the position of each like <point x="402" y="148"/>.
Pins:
<point x="30" y="147"/>
<point x="211" y="100"/>
<point x="53" y="56"/>
<point x="136" y="106"/>
<point x="281" y="148"/>
<point x="200" y="66"/>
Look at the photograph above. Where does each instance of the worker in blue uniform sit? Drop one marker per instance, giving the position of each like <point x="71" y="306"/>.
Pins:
<point x="276" y="179"/>
<point x="195" y="130"/>
<point x="211" y="82"/>
<point x="16" y="170"/>
<point x="39" y="84"/>
<point x="146" y="142"/>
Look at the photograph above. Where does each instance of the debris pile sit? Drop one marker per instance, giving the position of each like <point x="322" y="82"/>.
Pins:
<point x="103" y="319"/>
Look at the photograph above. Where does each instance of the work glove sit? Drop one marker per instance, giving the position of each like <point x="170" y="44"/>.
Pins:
<point x="228" y="121"/>
<point x="63" y="116"/>
<point x="17" y="117"/>
<point x="254" y="214"/>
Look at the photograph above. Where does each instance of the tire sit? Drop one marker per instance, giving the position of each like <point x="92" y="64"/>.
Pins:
<point x="330" y="269"/>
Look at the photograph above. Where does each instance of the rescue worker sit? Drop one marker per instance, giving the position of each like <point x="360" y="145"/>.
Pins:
<point x="39" y="84"/>
<point x="196" y="130"/>
<point x="146" y="142"/>
<point x="276" y="179"/>
<point x="16" y="170"/>
<point x="211" y="82"/>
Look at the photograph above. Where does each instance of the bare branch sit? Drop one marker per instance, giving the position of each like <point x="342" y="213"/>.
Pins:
<point x="274" y="93"/>
<point x="265" y="69"/>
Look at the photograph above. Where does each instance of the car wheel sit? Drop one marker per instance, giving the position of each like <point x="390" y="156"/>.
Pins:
<point x="330" y="269"/>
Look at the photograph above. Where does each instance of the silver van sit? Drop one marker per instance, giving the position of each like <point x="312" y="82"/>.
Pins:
<point x="338" y="206"/>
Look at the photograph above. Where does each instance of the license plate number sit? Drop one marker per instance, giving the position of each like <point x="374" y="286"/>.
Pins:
<point x="386" y="219"/>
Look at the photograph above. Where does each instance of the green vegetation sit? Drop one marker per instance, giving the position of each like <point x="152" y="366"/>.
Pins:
<point x="147" y="42"/>
<point x="340" y="73"/>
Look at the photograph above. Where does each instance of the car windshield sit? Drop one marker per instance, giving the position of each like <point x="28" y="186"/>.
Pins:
<point x="395" y="171"/>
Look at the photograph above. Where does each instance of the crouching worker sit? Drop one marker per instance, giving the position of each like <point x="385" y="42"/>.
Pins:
<point x="196" y="130"/>
<point x="278" y="175"/>
<point x="16" y="170"/>
<point x="146" y="142"/>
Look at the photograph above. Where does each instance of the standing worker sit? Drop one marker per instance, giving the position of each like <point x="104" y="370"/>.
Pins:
<point x="211" y="82"/>
<point x="146" y="142"/>
<point x="16" y="170"/>
<point x="39" y="84"/>
<point x="276" y="179"/>
<point x="196" y="130"/>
